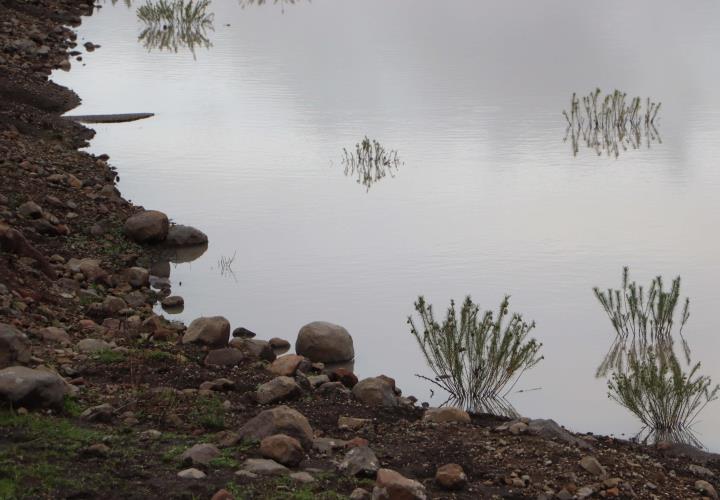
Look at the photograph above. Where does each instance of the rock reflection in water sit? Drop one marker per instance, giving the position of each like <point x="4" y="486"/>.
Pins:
<point x="171" y="25"/>
<point x="370" y="162"/>
<point x="611" y="125"/>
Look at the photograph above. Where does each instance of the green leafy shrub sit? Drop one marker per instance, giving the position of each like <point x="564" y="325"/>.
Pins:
<point x="474" y="356"/>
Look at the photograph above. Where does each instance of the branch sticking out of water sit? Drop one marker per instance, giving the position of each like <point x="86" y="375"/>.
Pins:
<point x="611" y="124"/>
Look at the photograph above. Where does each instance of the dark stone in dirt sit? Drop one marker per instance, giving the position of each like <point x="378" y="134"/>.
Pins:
<point x="14" y="346"/>
<point x="226" y="356"/>
<point x="280" y="420"/>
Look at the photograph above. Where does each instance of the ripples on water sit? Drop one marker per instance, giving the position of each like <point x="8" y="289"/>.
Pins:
<point x="489" y="199"/>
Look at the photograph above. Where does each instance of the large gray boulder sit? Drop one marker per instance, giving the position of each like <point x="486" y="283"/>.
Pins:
<point x="185" y="236"/>
<point x="324" y="342"/>
<point x="212" y="331"/>
<point x="375" y="391"/>
<point x="24" y="386"/>
<point x="149" y="226"/>
<point x="279" y="420"/>
<point x="14" y="346"/>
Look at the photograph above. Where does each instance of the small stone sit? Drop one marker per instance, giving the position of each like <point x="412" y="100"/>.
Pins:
<point x="191" y="473"/>
<point x="30" y="210"/>
<point x="150" y="226"/>
<point x="90" y="346"/>
<point x="446" y="414"/>
<point x="451" y="477"/>
<point x="220" y="384"/>
<point x="246" y="474"/>
<point x="279" y="420"/>
<point x="278" y="343"/>
<point x="302" y="477"/>
<point x="325" y="342"/>
<point x="518" y="428"/>
<point x="352" y="423"/>
<point x="278" y="389"/>
<point x="99" y="413"/>
<point x="212" y="331"/>
<point x="223" y="495"/>
<point x="264" y="467"/>
<point x="173" y="302"/>
<point x="375" y="391"/>
<point x="360" y="461"/>
<point x="97" y="450"/>
<point x="286" y="365"/>
<point x="701" y="471"/>
<point x="391" y="485"/>
<point x="243" y="333"/>
<point x="137" y="276"/>
<point x="202" y="453"/>
<point x="283" y="449"/>
<point x="591" y="465"/>
<point x="150" y="434"/>
<point x="360" y="494"/>
<point x="584" y="492"/>
<point x="225" y="357"/>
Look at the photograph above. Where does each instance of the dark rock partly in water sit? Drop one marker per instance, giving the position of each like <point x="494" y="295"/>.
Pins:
<point x="173" y="303"/>
<point x="150" y="226"/>
<point x="184" y="236"/>
<point x="259" y="349"/>
<point x="243" y="333"/>
<point x="22" y="386"/>
<point x="325" y="342"/>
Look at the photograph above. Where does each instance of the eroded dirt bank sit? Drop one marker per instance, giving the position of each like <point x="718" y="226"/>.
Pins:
<point x="112" y="401"/>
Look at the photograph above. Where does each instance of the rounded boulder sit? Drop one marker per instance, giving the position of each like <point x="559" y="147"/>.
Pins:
<point x="150" y="226"/>
<point x="325" y="343"/>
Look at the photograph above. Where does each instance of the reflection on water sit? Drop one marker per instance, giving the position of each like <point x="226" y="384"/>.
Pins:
<point x="647" y="376"/>
<point x="176" y="24"/>
<point x="611" y="125"/>
<point x="370" y="162"/>
<point x="282" y="3"/>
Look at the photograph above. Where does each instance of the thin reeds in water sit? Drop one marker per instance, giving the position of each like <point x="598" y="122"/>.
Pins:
<point x="647" y="376"/>
<point x="370" y="162"/>
<point x="611" y="124"/>
<point x="175" y="24"/>
<point x="475" y="356"/>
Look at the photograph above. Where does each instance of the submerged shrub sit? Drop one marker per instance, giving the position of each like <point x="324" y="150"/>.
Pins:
<point x="665" y="398"/>
<point x="174" y="24"/>
<point x="647" y="377"/>
<point x="644" y="319"/>
<point x="474" y="356"/>
<point x="370" y="162"/>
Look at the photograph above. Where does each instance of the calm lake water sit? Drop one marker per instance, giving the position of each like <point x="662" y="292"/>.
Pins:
<point x="248" y="145"/>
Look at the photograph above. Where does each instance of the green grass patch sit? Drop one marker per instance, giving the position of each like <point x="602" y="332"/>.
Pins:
<point x="108" y="356"/>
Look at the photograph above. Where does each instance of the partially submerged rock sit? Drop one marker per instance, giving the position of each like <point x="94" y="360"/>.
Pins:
<point x="184" y="236"/>
<point x="150" y="226"/>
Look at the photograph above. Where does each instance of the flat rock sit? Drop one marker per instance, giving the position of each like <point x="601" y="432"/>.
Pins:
<point x="352" y="423"/>
<point x="360" y="461"/>
<point x="551" y="430"/>
<point x="49" y="334"/>
<point x="202" y="453"/>
<point x="446" y="414"/>
<point x="225" y="357"/>
<point x="592" y="466"/>
<point x="286" y="365"/>
<point x="324" y="342"/>
<point x="191" y="473"/>
<point x="302" y="477"/>
<point x="24" y="386"/>
<point x="278" y="389"/>
<point x="264" y="467"/>
<point x="91" y="346"/>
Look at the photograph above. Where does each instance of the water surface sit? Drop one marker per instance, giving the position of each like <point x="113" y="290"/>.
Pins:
<point x="248" y="138"/>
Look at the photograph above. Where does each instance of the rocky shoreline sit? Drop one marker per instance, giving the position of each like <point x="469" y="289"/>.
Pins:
<point x="102" y="398"/>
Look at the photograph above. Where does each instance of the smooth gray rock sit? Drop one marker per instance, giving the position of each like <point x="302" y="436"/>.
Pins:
<point x="14" y="346"/>
<point x="375" y="391"/>
<point x="212" y="331"/>
<point x="279" y="420"/>
<point x="264" y="467"/>
<point x="183" y="236"/>
<point x="360" y="461"/>
<point x="202" y="453"/>
<point x="149" y="226"/>
<point x="24" y="386"/>
<point x="324" y="342"/>
<point x="278" y="389"/>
